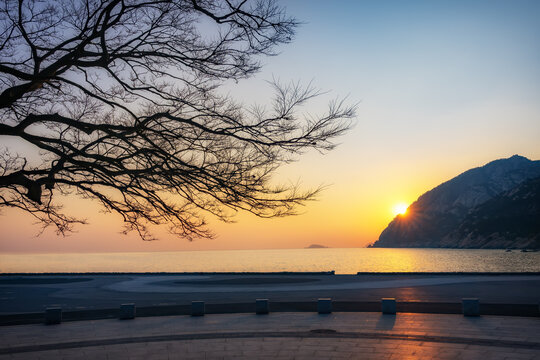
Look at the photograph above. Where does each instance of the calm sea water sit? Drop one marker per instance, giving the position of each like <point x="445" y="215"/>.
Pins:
<point x="342" y="261"/>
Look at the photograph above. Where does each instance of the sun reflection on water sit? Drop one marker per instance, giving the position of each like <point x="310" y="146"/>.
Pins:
<point x="342" y="261"/>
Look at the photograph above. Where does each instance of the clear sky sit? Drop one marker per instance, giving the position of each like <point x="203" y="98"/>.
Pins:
<point x="443" y="86"/>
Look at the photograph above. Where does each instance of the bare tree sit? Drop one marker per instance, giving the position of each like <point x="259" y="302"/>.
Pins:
<point x="120" y="101"/>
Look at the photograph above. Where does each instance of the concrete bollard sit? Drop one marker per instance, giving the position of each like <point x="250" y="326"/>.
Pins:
<point x="197" y="308"/>
<point x="388" y="306"/>
<point x="127" y="311"/>
<point x="261" y="306"/>
<point x="324" y="305"/>
<point x="53" y="315"/>
<point x="471" y="306"/>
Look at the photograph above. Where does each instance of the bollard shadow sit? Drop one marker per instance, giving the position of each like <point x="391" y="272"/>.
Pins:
<point x="473" y="321"/>
<point x="386" y="322"/>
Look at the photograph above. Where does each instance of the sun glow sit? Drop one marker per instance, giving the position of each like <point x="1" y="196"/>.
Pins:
<point x="399" y="209"/>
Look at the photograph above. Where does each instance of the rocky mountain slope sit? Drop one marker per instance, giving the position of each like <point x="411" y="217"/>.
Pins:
<point x="449" y="215"/>
<point x="511" y="219"/>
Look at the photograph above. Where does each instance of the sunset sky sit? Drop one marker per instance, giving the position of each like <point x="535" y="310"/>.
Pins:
<point x="442" y="86"/>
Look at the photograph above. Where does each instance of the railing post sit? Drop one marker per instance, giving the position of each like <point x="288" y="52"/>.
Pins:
<point x="471" y="306"/>
<point x="127" y="311"/>
<point x="261" y="306"/>
<point x="324" y="305"/>
<point x="388" y="306"/>
<point x="197" y="308"/>
<point x="53" y="315"/>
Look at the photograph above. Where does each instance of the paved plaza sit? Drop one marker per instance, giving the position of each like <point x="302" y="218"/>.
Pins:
<point x="279" y="336"/>
<point x="283" y="334"/>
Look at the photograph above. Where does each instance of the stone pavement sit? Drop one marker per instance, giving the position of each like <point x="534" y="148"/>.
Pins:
<point x="279" y="336"/>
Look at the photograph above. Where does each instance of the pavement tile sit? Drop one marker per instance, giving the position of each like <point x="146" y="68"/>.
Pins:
<point x="485" y="327"/>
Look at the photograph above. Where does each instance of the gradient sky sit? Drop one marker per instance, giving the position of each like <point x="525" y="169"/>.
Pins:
<point x="442" y="86"/>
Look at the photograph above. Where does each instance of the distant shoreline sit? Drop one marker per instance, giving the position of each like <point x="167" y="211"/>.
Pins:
<point x="535" y="273"/>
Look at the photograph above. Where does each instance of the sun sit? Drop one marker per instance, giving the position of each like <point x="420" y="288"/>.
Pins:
<point x="400" y="209"/>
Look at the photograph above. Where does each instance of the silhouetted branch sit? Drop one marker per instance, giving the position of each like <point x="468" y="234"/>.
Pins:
<point x="121" y="98"/>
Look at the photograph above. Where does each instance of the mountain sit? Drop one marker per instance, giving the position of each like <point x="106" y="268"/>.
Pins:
<point x="509" y="219"/>
<point x="435" y="219"/>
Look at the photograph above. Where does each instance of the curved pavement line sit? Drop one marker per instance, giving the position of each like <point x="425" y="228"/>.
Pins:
<point x="317" y="333"/>
<point x="146" y="284"/>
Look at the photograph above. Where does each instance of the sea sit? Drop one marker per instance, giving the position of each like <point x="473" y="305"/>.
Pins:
<point x="342" y="261"/>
